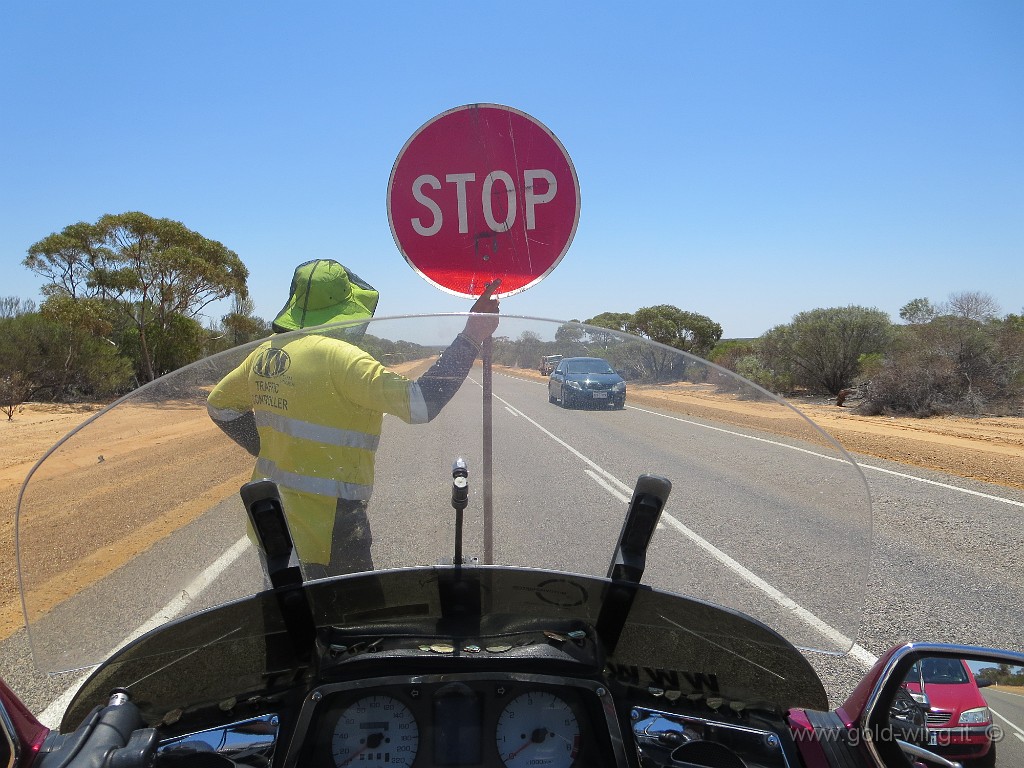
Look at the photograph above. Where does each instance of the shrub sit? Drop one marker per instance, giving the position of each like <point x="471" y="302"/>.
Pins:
<point x="905" y="386"/>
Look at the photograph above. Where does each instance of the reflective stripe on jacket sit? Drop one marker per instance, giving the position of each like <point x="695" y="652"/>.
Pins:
<point x="319" y="405"/>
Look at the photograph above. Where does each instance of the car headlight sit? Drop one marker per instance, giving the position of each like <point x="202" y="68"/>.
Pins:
<point x="574" y="384"/>
<point x="975" y="716"/>
<point x="620" y="387"/>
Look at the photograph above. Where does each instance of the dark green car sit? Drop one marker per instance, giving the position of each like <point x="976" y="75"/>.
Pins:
<point x="586" y="381"/>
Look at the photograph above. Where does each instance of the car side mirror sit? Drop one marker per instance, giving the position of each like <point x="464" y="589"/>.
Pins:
<point x="921" y="699"/>
<point x="953" y="722"/>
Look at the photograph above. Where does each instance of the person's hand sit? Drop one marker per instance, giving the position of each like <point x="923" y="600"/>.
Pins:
<point x="484" y="319"/>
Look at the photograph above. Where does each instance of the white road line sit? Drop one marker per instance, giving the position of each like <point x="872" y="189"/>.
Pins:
<point x="947" y="486"/>
<point x="857" y="652"/>
<point x="624" y="498"/>
<point x="1019" y="731"/>
<point x="1009" y="693"/>
<point x="861" y="654"/>
<point x="610" y="482"/>
<point x="52" y="715"/>
<point x="905" y="476"/>
<point x="745" y="436"/>
<point x="607" y="475"/>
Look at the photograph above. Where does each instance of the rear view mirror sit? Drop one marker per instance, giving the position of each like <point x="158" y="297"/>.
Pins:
<point x="928" y="704"/>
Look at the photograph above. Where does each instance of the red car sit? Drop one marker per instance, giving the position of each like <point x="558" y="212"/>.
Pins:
<point x="958" y="718"/>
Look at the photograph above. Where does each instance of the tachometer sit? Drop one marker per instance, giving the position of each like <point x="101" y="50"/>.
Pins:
<point x="375" y="731"/>
<point x="538" y="729"/>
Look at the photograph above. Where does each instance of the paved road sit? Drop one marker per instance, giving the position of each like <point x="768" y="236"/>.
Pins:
<point x="1008" y="714"/>
<point x="946" y="565"/>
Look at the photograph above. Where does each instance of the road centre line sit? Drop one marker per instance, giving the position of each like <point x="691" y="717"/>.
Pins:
<point x="52" y="715"/>
<point x="512" y="409"/>
<point x="860" y="654"/>
<point x="623" y="497"/>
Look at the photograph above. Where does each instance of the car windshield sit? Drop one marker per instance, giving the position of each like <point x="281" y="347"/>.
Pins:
<point x="938" y="670"/>
<point x="135" y="517"/>
<point x="588" y="366"/>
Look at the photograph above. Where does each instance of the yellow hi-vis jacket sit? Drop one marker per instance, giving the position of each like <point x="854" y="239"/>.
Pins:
<point x="319" y="404"/>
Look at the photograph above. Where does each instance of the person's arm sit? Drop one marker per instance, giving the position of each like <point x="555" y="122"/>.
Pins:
<point x="242" y="430"/>
<point x="369" y="384"/>
<point x="228" y="406"/>
<point x="442" y="380"/>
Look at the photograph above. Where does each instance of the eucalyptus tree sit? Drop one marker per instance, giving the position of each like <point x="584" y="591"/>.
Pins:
<point x="666" y="324"/>
<point x="153" y="272"/>
<point x="822" y="348"/>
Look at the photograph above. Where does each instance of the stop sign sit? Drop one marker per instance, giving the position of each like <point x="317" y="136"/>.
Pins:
<point x="479" y="192"/>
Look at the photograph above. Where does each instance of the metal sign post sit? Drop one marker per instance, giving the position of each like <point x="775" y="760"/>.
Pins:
<point x="488" y="447"/>
<point x="480" y="192"/>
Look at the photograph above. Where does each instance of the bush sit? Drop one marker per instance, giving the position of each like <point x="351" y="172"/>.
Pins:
<point x="903" y="388"/>
<point x="753" y="369"/>
<point x="950" y="364"/>
<point x="14" y="390"/>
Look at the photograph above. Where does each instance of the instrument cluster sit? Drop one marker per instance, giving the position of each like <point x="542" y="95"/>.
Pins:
<point x="484" y="720"/>
<point x="458" y="721"/>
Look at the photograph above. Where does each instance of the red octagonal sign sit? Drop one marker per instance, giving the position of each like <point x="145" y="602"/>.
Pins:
<point x="479" y="192"/>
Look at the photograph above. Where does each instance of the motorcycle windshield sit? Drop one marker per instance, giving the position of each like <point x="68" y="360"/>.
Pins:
<point x="135" y="520"/>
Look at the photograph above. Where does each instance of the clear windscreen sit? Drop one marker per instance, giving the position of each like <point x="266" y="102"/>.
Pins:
<point x="135" y="519"/>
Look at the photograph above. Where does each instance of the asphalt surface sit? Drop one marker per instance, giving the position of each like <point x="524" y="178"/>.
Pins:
<point x="944" y="562"/>
<point x="1008" y="715"/>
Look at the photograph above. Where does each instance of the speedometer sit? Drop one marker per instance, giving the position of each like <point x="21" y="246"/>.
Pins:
<point x="374" y="732"/>
<point x="538" y="729"/>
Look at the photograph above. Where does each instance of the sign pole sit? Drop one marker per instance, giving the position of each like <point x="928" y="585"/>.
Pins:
<point x="488" y="446"/>
<point x="478" y="192"/>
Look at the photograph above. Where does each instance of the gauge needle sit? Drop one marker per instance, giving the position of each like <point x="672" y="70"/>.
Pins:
<point x="537" y="737"/>
<point x="372" y="741"/>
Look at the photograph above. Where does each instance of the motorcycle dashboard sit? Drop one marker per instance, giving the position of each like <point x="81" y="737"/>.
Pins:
<point x="487" y="720"/>
<point x="458" y="721"/>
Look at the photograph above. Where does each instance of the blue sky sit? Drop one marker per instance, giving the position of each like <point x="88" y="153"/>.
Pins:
<point x="744" y="160"/>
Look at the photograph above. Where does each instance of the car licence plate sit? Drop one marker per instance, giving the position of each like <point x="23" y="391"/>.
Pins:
<point x="933" y="739"/>
<point x="600" y="395"/>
